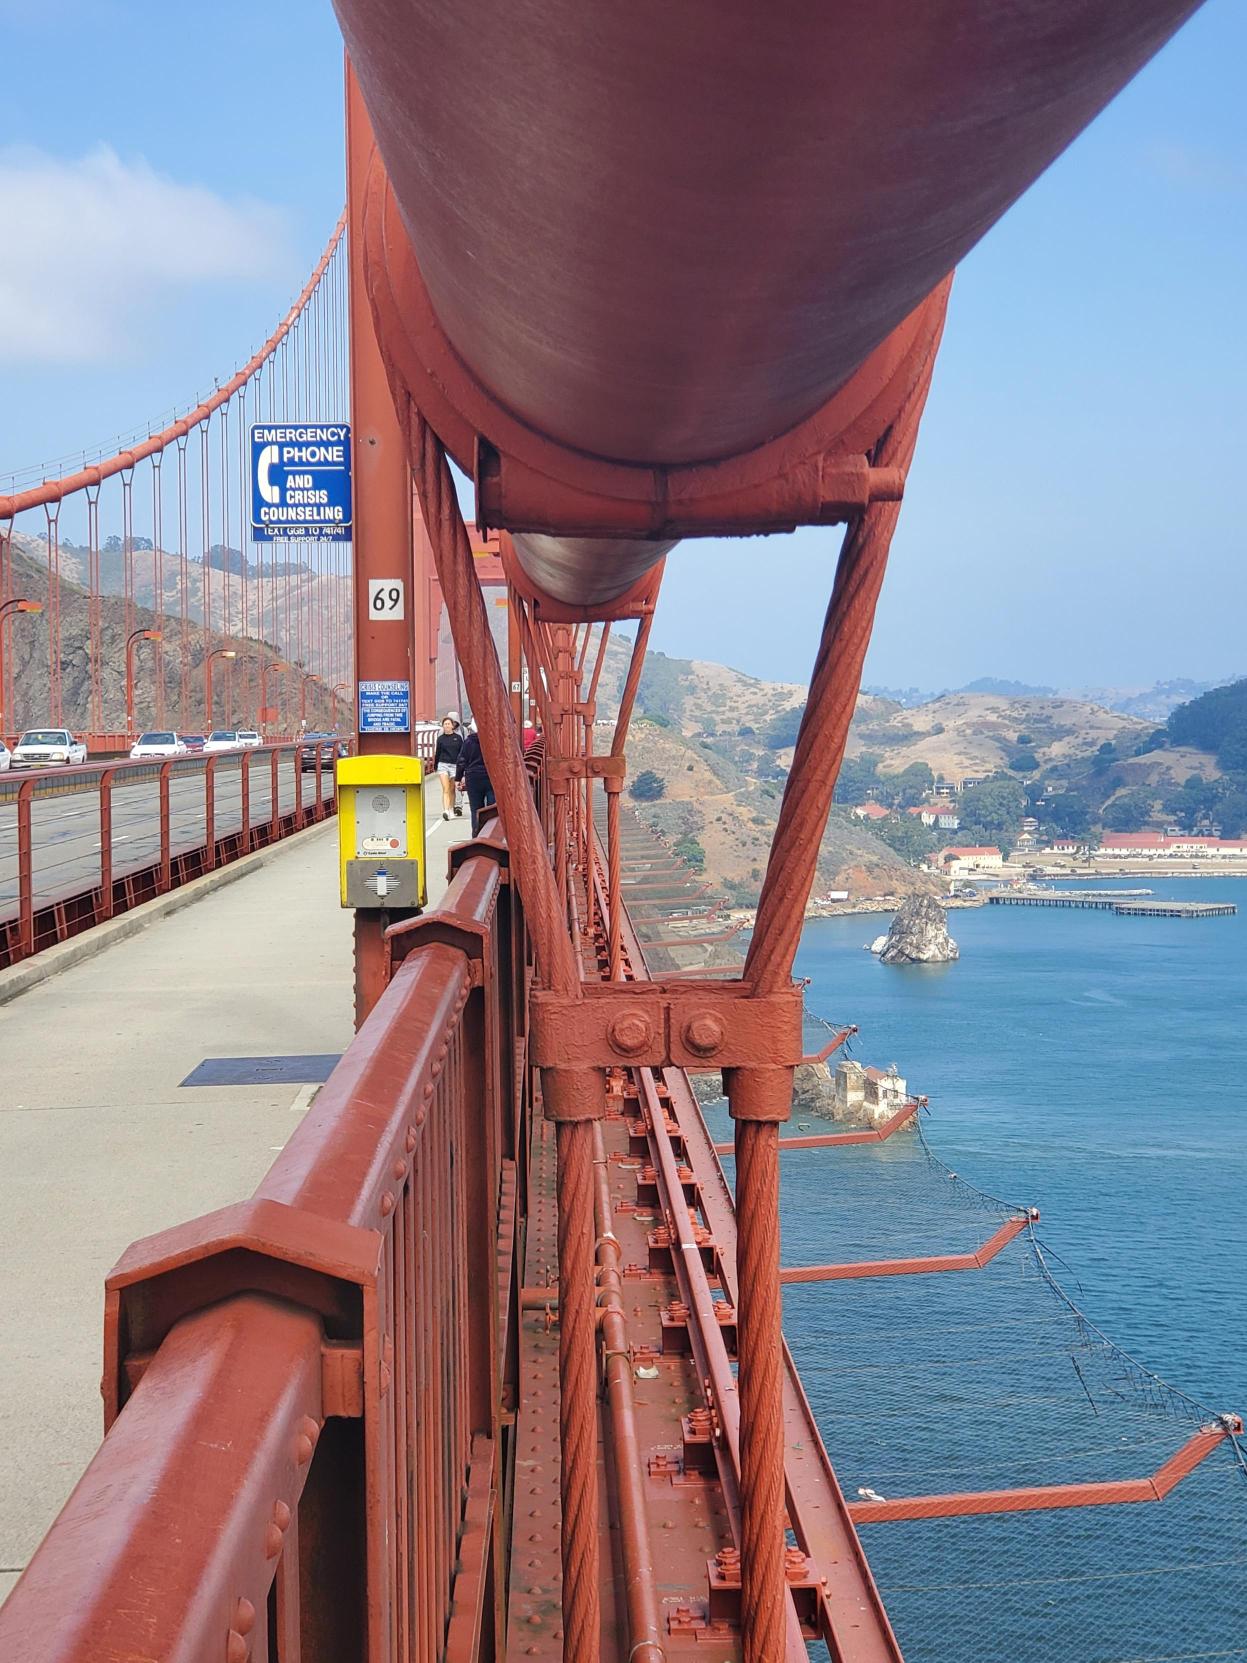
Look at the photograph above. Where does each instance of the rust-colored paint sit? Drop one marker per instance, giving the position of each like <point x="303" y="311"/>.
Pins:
<point x="382" y="534"/>
<point x="923" y="1266"/>
<point x="1036" y="1498"/>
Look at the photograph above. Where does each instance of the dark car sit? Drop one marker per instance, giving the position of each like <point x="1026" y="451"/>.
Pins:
<point x="193" y="741"/>
<point x="327" y="744"/>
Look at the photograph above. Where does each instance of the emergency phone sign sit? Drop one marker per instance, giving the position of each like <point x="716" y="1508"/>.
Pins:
<point x="300" y="480"/>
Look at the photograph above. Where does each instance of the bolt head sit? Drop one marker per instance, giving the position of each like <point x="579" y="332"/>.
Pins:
<point x="630" y="1033"/>
<point x="704" y="1033"/>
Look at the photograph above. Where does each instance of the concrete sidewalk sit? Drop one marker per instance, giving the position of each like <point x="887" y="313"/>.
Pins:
<point x="100" y="1143"/>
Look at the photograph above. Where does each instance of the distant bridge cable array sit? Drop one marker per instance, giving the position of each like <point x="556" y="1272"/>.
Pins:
<point x="154" y="544"/>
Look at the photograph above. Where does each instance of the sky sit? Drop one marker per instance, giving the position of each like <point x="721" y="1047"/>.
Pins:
<point x="168" y="176"/>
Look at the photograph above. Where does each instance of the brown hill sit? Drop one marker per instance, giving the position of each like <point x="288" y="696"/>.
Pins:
<point x="971" y="735"/>
<point x="26" y="652"/>
<point x="700" y="728"/>
<point x="232" y="606"/>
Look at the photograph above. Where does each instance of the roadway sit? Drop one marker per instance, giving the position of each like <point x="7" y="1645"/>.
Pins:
<point x="65" y="828"/>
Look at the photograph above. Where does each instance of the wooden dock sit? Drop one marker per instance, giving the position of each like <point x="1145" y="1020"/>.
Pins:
<point x="1105" y="901"/>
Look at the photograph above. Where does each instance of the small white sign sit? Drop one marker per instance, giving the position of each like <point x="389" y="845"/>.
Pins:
<point x="386" y="598"/>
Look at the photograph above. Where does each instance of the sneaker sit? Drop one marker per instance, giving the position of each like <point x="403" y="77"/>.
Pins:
<point x="459" y="814"/>
<point x="445" y="816"/>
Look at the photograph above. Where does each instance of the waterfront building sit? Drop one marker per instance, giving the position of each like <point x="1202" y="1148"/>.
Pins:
<point x="867" y="1096"/>
<point x="969" y="858"/>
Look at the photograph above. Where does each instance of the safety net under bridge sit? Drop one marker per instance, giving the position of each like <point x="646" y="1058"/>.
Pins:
<point x="1023" y="1488"/>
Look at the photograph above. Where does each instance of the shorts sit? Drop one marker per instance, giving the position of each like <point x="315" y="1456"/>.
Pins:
<point x="446" y="768"/>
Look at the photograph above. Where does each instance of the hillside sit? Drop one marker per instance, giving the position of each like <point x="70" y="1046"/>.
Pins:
<point x="26" y="653"/>
<point x="973" y="735"/>
<point x="720" y="744"/>
<point x="216" y="588"/>
<point x="704" y="730"/>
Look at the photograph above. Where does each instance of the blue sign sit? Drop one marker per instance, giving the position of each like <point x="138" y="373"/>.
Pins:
<point x="385" y="707"/>
<point x="300" y="480"/>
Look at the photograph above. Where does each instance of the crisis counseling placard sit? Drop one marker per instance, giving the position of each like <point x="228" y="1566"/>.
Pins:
<point x="300" y="480"/>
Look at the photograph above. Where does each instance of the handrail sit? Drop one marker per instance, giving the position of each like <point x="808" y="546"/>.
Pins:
<point x="313" y="1376"/>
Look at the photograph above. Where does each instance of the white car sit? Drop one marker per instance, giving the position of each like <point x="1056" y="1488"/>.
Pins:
<point x="248" y="738"/>
<point x="221" y="739"/>
<point x="40" y="746"/>
<point x="6" y="756"/>
<point x="161" y="745"/>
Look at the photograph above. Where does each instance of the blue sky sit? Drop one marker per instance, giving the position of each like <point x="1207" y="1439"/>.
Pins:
<point x="1073" y="514"/>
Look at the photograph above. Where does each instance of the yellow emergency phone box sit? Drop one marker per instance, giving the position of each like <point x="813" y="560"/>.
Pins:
<point x="381" y="831"/>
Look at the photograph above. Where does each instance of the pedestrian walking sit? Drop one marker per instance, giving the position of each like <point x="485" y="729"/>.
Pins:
<point x="446" y="761"/>
<point x="472" y="771"/>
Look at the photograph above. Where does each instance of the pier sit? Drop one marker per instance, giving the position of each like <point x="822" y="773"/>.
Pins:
<point x="1119" y="903"/>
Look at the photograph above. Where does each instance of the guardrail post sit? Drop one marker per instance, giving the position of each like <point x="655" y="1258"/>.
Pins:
<point x="274" y="807"/>
<point x="25" y="871"/>
<point x="106" y="843"/>
<point x="209" y="813"/>
<point x="245" y="846"/>
<point x="166" y="839"/>
<point x="320" y="790"/>
<point x="298" y="787"/>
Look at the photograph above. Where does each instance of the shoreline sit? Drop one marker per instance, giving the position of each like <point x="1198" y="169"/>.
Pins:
<point x="881" y="904"/>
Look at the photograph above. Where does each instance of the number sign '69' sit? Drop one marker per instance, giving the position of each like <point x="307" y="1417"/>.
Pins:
<point x="385" y="598"/>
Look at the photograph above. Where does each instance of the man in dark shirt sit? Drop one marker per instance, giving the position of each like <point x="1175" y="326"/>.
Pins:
<point x="472" y="771"/>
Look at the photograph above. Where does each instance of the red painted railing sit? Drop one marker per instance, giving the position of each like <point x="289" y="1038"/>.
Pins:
<point x="307" y="1448"/>
<point x="51" y="893"/>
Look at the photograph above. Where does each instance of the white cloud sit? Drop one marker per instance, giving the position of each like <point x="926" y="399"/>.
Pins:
<point x="93" y="245"/>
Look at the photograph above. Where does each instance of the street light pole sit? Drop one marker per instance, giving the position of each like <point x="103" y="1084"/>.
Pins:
<point x="220" y="652"/>
<point x="7" y="609"/>
<point x="306" y="677"/>
<point x="265" y="667"/>
<point x="132" y="641"/>
<point x="338" y="694"/>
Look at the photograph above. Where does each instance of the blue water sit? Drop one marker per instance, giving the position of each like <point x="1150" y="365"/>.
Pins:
<point x="1096" y="1067"/>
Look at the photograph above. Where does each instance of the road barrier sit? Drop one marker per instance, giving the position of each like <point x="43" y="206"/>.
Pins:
<point x="49" y="893"/>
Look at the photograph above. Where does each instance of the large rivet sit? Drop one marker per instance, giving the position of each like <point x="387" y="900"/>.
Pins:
<point x="399" y="1169"/>
<point x="244" y="1616"/>
<point x="704" y="1033"/>
<point x="630" y="1033"/>
<point x="306" y="1440"/>
<point x="387" y="1204"/>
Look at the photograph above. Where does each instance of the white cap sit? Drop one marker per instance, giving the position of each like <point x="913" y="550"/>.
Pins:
<point x="451" y="716"/>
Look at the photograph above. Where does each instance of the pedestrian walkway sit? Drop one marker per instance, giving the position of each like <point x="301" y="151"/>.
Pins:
<point x="101" y="1142"/>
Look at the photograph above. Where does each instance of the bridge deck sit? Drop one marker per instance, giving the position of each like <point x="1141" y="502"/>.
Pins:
<point x="102" y="1143"/>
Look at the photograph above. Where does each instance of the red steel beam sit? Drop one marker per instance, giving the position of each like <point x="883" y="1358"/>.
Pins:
<point x="1042" y="1497"/>
<point x="852" y="1618"/>
<point x="995" y="1244"/>
<point x="833" y="1140"/>
<point x="385" y="512"/>
<point x="162" y="1539"/>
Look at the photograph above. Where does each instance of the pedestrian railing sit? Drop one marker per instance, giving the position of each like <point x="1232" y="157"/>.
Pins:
<point x="306" y="1394"/>
<point x="78" y="846"/>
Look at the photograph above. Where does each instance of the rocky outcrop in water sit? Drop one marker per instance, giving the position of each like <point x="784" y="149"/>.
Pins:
<point x="812" y="1090"/>
<point x="919" y="935"/>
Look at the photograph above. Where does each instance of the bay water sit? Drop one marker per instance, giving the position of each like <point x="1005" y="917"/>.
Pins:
<point x="1094" y="1066"/>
